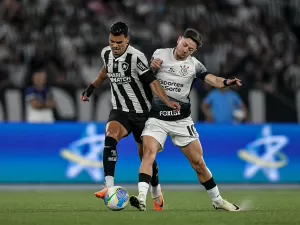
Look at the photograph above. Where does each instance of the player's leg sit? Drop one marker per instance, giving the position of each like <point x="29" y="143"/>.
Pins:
<point x="116" y="128"/>
<point x="137" y="123"/>
<point x="194" y="153"/>
<point x="154" y="137"/>
<point x="155" y="187"/>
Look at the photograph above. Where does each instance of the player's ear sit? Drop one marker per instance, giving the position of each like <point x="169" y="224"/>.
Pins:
<point x="179" y="39"/>
<point x="127" y="39"/>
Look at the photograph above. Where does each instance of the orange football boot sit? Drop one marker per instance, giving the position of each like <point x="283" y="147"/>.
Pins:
<point x="158" y="203"/>
<point x="101" y="194"/>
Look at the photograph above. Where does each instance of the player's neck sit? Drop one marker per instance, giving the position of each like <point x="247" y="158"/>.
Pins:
<point x="39" y="87"/>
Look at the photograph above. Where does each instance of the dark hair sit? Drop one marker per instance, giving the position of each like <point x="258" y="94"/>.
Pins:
<point x="119" y="28"/>
<point x="194" y="35"/>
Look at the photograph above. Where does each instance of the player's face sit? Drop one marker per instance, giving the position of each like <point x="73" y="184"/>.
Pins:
<point x="118" y="44"/>
<point x="39" y="78"/>
<point x="185" y="47"/>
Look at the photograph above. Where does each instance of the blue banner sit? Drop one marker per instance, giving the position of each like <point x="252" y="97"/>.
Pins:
<point x="72" y="153"/>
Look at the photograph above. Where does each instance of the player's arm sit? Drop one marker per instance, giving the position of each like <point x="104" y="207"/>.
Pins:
<point x="220" y="82"/>
<point x="101" y="77"/>
<point x="155" y="61"/>
<point x="147" y="77"/>
<point x="157" y="89"/>
<point x="217" y="82"/>
<point x="36" y="104"/>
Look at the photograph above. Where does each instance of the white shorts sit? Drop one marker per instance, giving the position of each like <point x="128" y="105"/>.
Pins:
<point x="182" y="132"/>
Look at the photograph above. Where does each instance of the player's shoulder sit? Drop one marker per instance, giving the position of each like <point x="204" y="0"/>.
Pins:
<point x="163" y="51"/>
<point x="135" y="52"/>
<point x="199" y="65"/>
<point x="105" y="49"/>
<point x="29" y="90"/>
<point x="195" y="60"/>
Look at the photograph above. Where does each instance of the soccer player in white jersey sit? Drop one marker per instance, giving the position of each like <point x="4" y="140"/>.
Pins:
<point x="131" y="83"/>
<point x="176" y="69"/>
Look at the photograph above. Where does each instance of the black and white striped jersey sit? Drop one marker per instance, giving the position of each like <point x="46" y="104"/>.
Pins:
<point x="129" y="93"/>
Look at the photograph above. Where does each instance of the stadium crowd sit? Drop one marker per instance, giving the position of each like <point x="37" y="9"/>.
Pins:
<point x="256" y="40"/>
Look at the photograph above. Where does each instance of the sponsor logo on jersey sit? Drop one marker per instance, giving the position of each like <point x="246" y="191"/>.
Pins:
<point x="171" y="86"/>
<point x="169" y="113"/>
<point x="142" y="66"/>
<point x="118" y="78"/>
<point x="171" y="70"/>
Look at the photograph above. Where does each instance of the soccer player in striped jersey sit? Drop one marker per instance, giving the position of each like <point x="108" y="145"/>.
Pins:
<point x="177" y="70"/>
<point x="132" y="84"/>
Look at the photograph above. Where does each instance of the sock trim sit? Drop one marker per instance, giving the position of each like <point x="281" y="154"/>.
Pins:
<point x="210" y="184"/>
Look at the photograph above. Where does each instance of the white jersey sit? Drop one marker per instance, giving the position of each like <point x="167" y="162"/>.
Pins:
<point x="177" y="78"/>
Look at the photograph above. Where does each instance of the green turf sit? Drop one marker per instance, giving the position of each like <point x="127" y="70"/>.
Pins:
<point x="182" y="208"/>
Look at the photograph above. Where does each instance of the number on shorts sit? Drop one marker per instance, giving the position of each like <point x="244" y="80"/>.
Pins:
<point x="191" y="130"/>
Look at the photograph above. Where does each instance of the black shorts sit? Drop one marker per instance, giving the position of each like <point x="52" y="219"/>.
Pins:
<point x="133" y="122"/>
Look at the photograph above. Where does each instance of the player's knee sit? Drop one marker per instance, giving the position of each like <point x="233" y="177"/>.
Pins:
<point x="149" y="154"/>
<point x="113" y="134"/>
<point x="199" y="165"/>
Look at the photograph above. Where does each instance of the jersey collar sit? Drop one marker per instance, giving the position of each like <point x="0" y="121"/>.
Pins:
<point x="123" y="56"/>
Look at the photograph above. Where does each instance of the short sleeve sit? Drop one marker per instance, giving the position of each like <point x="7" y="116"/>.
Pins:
<point x="142" y="64"/>
<point x="105" y="55"/>
<point x="30" y="94"/>
<point x="156" y="54"/>
<point x="201" y="70"/>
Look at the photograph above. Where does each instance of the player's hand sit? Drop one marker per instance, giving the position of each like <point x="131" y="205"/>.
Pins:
<point x="233" y="81"/>
<point x="174" y="105"/>
<point x="156" y="63"/>
<point x="87" y="93"/>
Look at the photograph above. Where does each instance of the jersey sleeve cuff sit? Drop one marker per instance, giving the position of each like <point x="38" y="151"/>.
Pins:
<point x="147" y="77"/>
<point x="202" y="75"/>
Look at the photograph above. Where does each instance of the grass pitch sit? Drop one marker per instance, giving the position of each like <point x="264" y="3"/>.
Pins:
<point x="181" y="208"/>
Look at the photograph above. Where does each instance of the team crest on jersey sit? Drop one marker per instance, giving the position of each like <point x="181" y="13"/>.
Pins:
<point x="184" y="70"/>
<point x="125" y="66"/>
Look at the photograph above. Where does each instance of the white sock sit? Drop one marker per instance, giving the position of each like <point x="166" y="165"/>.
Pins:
<point x="155" y="191"/>
<point x="214" y="194"/>
<point x="143" y="190"/>
<point x="109" y="181"/>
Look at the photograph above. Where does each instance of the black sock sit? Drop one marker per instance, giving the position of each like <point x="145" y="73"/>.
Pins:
<point x="154" y="180"/>
<point x="110" y="156"/>
<point x="210" y="184"/>
<point x="144" y="178"/>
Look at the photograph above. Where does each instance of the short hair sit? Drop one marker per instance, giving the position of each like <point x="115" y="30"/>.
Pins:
<point x="119" y="28"/>
<point x="194" y="35"/>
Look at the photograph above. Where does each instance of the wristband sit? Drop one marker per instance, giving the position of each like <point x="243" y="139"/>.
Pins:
<point x="91" y="87"/>
<point x="225" y="83"/>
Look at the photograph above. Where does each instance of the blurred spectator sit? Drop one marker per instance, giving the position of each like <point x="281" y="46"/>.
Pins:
<point x="39" y="100"/>
<point x="256" y="40"/>
<point x="224" y="106"/>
